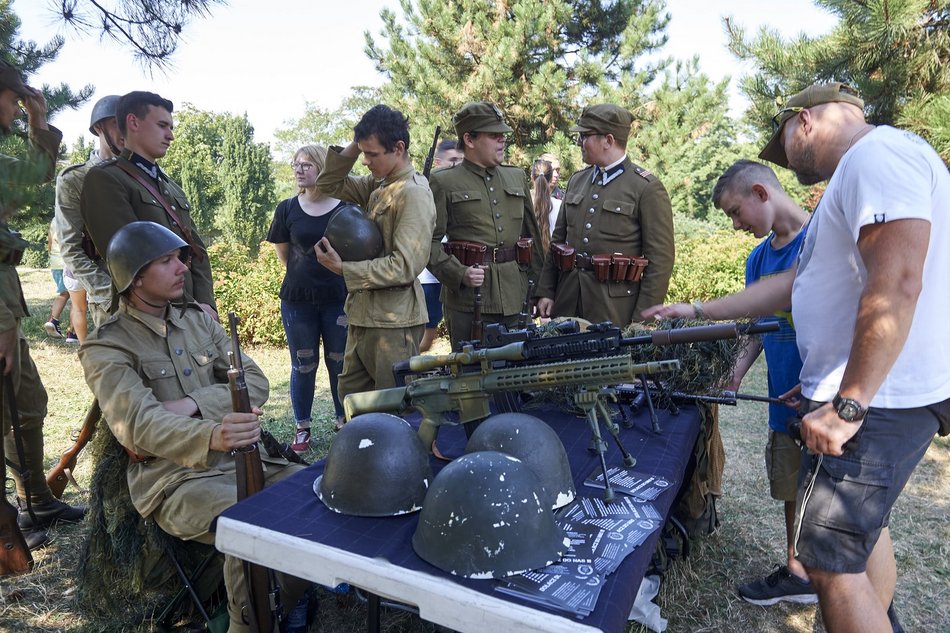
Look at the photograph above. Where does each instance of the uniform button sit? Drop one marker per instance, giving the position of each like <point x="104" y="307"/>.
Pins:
<point x="187" y="371"/>
<point x="487" y="177"/>
<point x="491" y="188"/>
<point x="494" y="201"/>
<point x="498" y="215"/>
<point x="590" y="211"/>
<point x="162" y="372"/>
<point x="585" y="240"/>
<point x="595" y="196"/>
<point x="587" y="226"/>
<point x="174" y="208"/>
<point x="465" y="196"/>
<point x="179" y="351"/>
<point x="500" y="229"/>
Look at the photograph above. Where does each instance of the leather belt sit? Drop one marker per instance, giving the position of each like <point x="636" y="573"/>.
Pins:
<point x="500" y="255"/>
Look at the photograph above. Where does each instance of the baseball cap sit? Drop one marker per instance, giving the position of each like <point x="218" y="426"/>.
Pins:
<point x="813" y="95"/>
<point x="605" y="118"/>
<point x="11" y="79"/>
<point x="479" y="116"/>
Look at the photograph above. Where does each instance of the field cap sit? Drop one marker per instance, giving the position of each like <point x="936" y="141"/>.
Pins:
<point x="813" y="95"/>
<point x="479" y="116"/>
<point x="605" y="118"/>
<point x="11" y="79"/>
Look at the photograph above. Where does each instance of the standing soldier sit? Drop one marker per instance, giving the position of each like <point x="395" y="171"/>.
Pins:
<point x="484" y="209"/>
<point x="79" y="256"/>
<point x="611" y="254"/>
<point x="132" y="187"/>
<point x="385" y="306"/>
<point x="17" y="365"/>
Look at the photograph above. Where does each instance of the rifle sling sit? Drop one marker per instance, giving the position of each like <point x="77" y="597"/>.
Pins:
<point x="137" y="175"/>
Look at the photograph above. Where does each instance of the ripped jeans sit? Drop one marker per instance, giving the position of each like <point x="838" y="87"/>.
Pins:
<point x="305" y="324"/>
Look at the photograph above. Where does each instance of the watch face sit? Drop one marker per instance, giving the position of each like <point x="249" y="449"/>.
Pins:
<point x="849" y="411"/>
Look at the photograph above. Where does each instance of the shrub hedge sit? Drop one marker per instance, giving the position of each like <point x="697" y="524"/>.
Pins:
<point x="708" y="264"/>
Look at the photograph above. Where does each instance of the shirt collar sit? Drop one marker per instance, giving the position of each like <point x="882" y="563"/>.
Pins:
<point x="396" y="176"/>
<point x="603" y="175"/>
<point x="478" y="169"/>
<point x="142" y="163"/>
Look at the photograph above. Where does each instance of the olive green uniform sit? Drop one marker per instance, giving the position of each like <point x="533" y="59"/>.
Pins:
<point x="68" y="225"/>
<point x="385" y="306"/>
<point x="111" y="198"/>
<point x="136" y="361"/>
<point x="28" y="387"/>
<point x="630" y="215"/>
<point x="491" y="207"/>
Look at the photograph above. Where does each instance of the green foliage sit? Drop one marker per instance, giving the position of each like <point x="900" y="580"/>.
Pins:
<point x="709" y="264"/>
<point x="249" y="286"/>
<point x="894" y="53"/>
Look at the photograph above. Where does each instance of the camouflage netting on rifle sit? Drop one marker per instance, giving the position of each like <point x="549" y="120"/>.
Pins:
<point x="705" y="367"/>
<point x="125" y="573"/>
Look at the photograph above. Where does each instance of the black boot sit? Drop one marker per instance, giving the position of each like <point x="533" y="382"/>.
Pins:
<point x="892" y="616"/>
<point x="47" y="514"/>
<point x="35" y="539"/>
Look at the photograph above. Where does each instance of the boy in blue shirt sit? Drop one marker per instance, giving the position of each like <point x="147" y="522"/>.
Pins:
<point x="751" y="196"/>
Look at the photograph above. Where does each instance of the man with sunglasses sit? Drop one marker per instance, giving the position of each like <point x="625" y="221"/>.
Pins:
<point x="484" y="210"/>
<point x="131" y="187"/>
<point x="612" y="252"/>
<point x="869" y="301"/>
<point x="16" y="365"/>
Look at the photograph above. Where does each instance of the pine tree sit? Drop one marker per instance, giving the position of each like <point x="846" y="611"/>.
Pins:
<point x="248" y="185"/>
<point x="895" y="52"/>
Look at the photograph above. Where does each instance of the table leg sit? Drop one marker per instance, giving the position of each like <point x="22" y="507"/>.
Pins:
<point x="372" y="613"/>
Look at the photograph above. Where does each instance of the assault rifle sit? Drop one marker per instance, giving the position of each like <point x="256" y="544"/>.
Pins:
<point x="15" y="557"/>
<point x="62" y="473"/>
<point x="263" y="601"/>
<point x="468" y="393"/>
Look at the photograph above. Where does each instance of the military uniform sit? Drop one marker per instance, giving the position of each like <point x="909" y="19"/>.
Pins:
<point x="111" y="198"/>
<point x="90" y="273"/>
<point x="617" y="208"/>
<point x="385" y="306"/>
<point x="136" y="361"/>
<point x="28" y="387"/>
<point x="491" y="207"/>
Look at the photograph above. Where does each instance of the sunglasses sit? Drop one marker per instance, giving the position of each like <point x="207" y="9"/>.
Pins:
<point x="777" y="120"/>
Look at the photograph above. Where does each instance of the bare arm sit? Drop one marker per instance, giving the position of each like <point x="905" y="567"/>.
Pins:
<point x="763" y="298"/>
<point x="283" y="250"/>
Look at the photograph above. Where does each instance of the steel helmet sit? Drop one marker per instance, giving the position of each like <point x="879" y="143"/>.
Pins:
<point x="536" y="444"/>
<point x="134" y="246"/>
<point x="353" y="235"/>
<point x="377" y="466"/>
<point x="483" y="518"/>
<point x="105" y="108"/>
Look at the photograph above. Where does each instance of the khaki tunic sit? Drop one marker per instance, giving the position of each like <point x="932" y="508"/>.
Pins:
<point x="68" y="226"/>
<point x="111" y="198"/>
<point x="631" y="215"/>
<point x="492" y="207"/>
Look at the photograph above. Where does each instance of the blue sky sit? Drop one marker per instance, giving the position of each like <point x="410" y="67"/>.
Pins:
<point x="268" y="58"/>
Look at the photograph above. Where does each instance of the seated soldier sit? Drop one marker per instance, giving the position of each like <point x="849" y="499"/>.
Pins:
<point x="160" y="374"/>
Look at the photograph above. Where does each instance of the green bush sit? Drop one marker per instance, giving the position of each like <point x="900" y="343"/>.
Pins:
<point x="709" y="265"/>
<point x="249" y="286"/>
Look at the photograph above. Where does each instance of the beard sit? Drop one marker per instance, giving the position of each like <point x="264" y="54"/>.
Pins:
<point x="805" y="169"/>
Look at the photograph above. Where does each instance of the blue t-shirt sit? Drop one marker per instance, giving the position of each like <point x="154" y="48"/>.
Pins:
<point x="306" y="280"/>
<point x="781" y="350"/>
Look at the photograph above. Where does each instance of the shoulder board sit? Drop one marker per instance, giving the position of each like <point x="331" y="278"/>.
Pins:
<point x="71" y="168"/>
<point x="643" y="173"/>
<point x="419" y="179"/>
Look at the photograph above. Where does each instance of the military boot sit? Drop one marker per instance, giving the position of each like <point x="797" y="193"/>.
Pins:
<point x="47" y="509"/>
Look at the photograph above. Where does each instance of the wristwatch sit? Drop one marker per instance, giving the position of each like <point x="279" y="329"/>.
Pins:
<point x="848" y="410"/>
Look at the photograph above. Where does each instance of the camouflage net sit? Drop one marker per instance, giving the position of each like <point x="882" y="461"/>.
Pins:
<point x="125" y="573"/>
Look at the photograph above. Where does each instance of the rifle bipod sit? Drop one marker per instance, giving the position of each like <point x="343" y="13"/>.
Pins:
<point x="592" y="403"/>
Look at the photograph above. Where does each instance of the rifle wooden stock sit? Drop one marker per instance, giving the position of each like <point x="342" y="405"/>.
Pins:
<point x="62" y="473"/>
<point x="263" y="594"/>
<point x="15" y="557"/>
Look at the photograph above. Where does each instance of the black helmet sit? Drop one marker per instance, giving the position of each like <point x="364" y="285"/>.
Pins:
<point x="533" y="442"/>
<point x="353" y="235"/>
<point x="483" y="518"/>
<point x="105" y="108"/>
<point x="377" y="466"/>
<point x="134" y="246"/>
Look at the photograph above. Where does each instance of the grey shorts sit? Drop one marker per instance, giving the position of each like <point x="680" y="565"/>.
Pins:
<point x="844" y="502"/>
<point x="783" y="460"/>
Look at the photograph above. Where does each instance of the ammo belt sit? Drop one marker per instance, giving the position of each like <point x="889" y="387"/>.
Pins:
<point x="472" y="253"/>
<point x="607" y="267"/>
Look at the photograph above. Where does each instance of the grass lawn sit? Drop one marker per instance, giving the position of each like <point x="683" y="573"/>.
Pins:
<point x="697" y="595"/>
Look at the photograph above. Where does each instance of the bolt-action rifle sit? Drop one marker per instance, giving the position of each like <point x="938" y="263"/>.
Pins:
<point x="262" y="609"/>
<point x="62" y="473"/>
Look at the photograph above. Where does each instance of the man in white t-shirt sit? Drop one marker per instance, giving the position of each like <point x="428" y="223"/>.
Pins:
<point x="869" y="299"/>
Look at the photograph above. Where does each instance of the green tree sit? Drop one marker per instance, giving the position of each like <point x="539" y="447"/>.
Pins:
<point x="895" y="53"/>
<point x="248" y="185"/>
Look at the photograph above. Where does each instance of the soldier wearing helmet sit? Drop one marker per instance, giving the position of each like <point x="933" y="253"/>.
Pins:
<point x="159" y="373"/>
<point x="85" y="266"/>
<point x="15" y="358"/>
<point x="133" y="187"/>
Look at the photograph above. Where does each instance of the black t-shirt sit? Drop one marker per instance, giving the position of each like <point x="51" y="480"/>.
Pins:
<point x="306" y="279"/>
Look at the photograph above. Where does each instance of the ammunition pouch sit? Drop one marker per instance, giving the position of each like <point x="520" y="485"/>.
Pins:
<point x="600" y="264"/>
<point x="563" y="257"/>
<point x="472" y="253"/>
<point x="523" y="247"/>
<point x="607" y="268"/>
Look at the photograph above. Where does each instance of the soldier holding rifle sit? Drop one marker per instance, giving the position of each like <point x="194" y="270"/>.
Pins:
<point x="14" y="350"/>
<point x="484" y="209"/>
<point x="160" y="374"/>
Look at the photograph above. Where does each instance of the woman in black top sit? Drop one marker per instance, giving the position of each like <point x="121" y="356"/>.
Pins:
<point x="311" y="297"/>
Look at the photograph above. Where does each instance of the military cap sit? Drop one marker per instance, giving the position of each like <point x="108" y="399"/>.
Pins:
<point x="479" y="116"/>
<point x="813" y="95"/>
<point x="11" y="79"/>
<point x="605" y="118"/>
